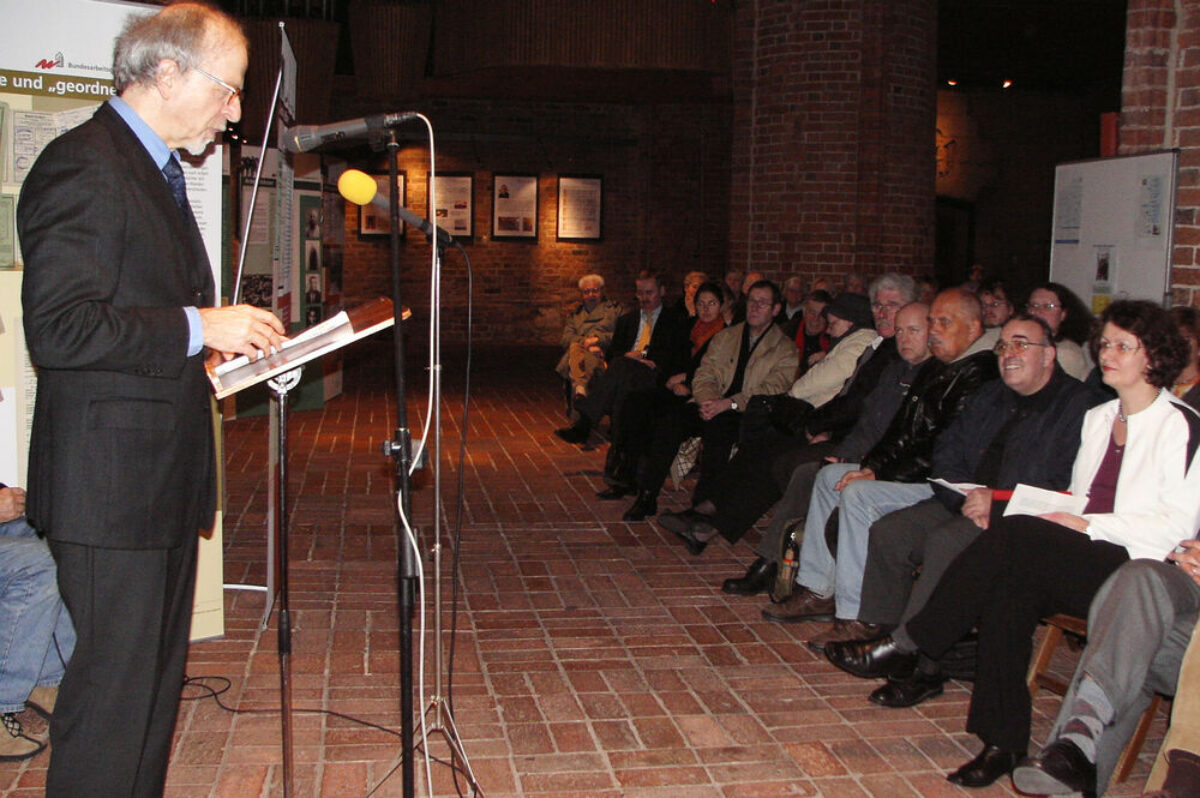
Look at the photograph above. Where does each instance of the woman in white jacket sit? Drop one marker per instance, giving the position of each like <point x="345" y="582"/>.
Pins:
<point x="1136" y="465"/>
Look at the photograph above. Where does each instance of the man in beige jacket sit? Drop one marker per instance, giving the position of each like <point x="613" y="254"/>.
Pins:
<point x="742" y="361"/>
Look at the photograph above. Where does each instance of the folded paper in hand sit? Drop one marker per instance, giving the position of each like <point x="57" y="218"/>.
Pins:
<point x="1028" y="500"/>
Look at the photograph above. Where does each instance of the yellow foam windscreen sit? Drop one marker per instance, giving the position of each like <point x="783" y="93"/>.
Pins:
<point x="357" y="187"/>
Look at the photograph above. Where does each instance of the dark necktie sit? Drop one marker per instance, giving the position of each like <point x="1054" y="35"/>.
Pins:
<point x="174" y="174"/>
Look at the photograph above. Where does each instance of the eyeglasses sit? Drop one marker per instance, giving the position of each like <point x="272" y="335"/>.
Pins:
<point x="233" y="92"/>
<point x="995" y="303"/>
<point x="707" y="303"/>
<point x="760" y="303"/>
<point x="1119" y="346"/>
<point x="888" y="305"/>
<point x="1032" y="306"/>
<point x="1019" y="347"/>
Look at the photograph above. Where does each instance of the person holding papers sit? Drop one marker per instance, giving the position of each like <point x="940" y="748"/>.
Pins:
<point x="1020" y="429"/>
<point x="1137" y="476"/>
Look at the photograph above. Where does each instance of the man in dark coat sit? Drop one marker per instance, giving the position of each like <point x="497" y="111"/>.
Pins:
<point x="117" y="293"/>
<point x="649" y="344"/>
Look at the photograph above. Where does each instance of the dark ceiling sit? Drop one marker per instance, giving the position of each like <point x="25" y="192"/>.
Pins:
<point x="1070" y="46"/>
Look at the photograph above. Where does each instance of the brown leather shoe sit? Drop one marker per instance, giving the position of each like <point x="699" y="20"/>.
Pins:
<point x="845" y="630"/>
<point x="802" y="605"/>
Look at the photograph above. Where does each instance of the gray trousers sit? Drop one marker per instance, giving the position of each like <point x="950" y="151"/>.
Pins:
<point x="793" y="505"/>
<point x="1139" y="625"/>
<point x="925" y="535"/>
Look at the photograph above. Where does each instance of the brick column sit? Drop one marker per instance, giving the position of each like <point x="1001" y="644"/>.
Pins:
<point x="833" y="137"/>
<point x="1161" y="110"/>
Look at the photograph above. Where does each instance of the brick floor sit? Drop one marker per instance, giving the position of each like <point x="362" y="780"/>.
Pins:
<point x="591" y="657"/>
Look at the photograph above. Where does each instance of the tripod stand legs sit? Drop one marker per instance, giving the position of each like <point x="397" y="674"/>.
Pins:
<point x="443" y="724"/>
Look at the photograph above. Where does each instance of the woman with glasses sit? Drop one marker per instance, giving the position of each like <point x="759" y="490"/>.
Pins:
<point x="640" y="420"/>
<point x="1070" y="322"/>
<point x="1136" y="470"/>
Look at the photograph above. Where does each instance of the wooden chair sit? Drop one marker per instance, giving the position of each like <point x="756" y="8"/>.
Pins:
<point x="1038" y="677"/>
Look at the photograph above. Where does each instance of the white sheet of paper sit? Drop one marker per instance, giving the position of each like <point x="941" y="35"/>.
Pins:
<point x="957" y="487"/>
<point x="1028" y="500"/>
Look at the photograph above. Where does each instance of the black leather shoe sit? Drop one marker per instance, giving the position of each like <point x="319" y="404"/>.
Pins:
<point x="901" y="693"/>
<point x="574" y="434"/>
<point x="616" y="492"/>
<point x="991" y="764"/>
<point x="694" y="545"/>
<point x="759" y="577"/>
<point x="872" y="659"/>
<point x="645" y="504"/>
<point x="681" y="521"/>
<point x="1058" y="769"/>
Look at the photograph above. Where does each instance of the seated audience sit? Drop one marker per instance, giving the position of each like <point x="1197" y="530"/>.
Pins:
<point x="760" y="471"/>
<point x="1070" y="321"/>
<point x="994" y="300"/>
<point x="845" y="316"/>
<point x="975" y="277"/>
<point x="1021" y="428"/>
<point x="812" y="339"/>
<point x="1137" y="468"/>
<point x="745" y="360"/>
<point x="893" y="474"/>
<point x="691" y="282"/>
<point x="793" y="306"/>
<point x="877" y="411"/>
<point x="1187" y="384"/>
<point x="737" y="313"/>
<point x="848" y="323"/>
<point x="639" y="419"/>
<point x="927" y="288"/>
<point x="587" y="334"/>
<point x="648" y="345"/>
<point x="733" y="281"/>
<point x="36" y="635"/>
<point x="1139" y="626"/>
<point x="853" y="284"/>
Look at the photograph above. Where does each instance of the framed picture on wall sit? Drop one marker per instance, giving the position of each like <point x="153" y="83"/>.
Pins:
<point x="514" y="206"/>
<point x="455" y="196"/>
<point x="580" y="207"/>
<point x="374" y="220"/>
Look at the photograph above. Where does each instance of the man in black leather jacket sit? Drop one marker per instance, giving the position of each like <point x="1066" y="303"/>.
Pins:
<point x="1023" y="429"/>
<point x="893" y="474"/>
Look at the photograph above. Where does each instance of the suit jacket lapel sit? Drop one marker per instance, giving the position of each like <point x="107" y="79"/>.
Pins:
<point x="184" y="234"/>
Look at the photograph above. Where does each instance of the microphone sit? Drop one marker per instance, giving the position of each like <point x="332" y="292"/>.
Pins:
<point x="361" y="189"/>
<point x="302" y="138"/>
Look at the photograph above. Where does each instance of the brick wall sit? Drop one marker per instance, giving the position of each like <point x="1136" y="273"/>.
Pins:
<point x="833" y="157"/>
<point x="665" y="196"/>
<point x="1161" y="109"/>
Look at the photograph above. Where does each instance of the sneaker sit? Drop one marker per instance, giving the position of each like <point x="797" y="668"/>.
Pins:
<point x="14" y="744"/>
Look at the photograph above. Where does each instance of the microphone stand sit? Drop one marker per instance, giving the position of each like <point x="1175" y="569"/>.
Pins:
<point x="399" y="448"/>
<point x="438" y="709"/>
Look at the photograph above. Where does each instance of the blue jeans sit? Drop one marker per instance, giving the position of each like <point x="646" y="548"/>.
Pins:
<point x="36" y="635"/>
<point x="860" y="504"/>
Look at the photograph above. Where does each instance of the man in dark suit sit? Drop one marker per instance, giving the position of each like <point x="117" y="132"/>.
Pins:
<point x="117" y="294"/>
<point x="649" y="344"/>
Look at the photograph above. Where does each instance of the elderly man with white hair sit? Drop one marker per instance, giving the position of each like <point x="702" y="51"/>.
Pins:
<point x="587" y="334"/>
